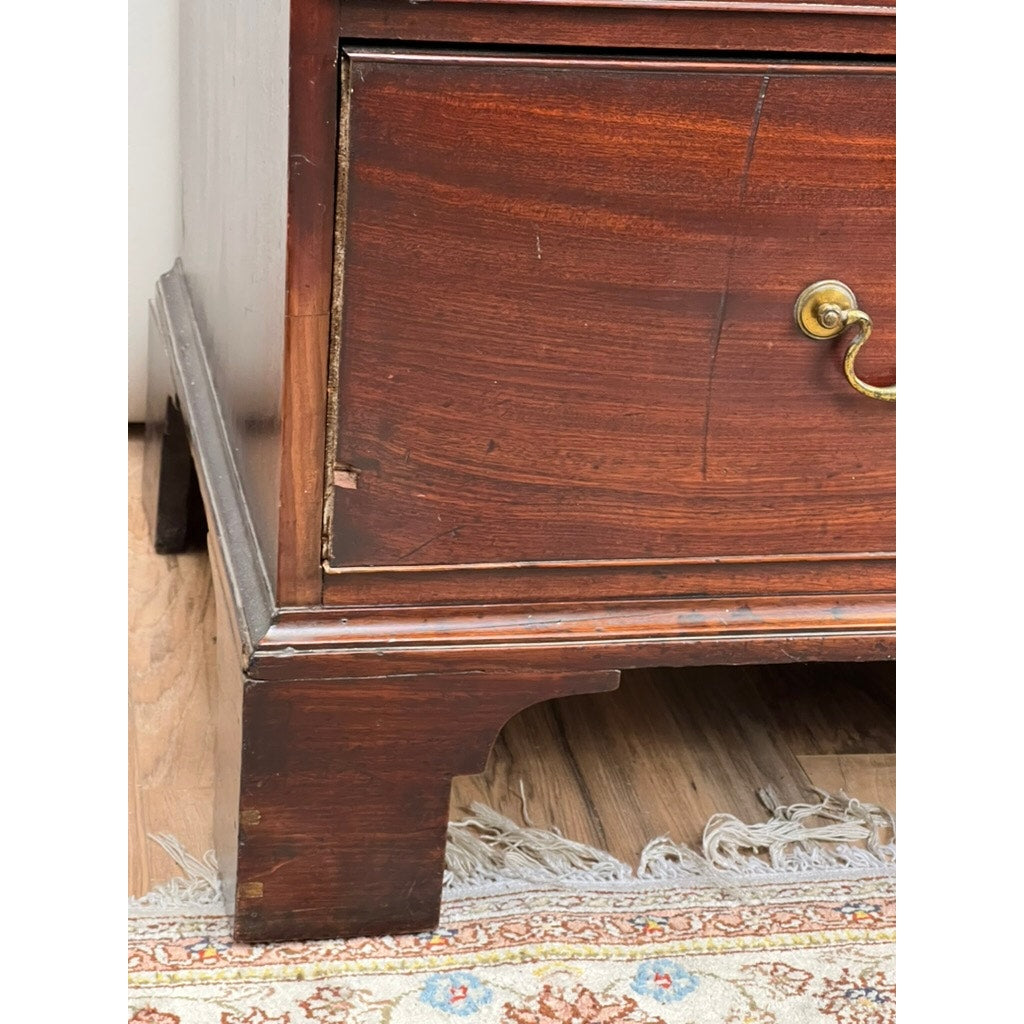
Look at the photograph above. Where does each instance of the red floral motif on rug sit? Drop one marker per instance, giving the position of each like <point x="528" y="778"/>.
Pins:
<point x="721" y="937"/>
<point x="760" y="953"/>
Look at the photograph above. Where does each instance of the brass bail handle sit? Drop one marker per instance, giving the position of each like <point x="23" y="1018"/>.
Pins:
<point x="823" y="311"/>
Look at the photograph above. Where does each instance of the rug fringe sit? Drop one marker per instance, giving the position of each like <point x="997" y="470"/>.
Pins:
<point x="793" y="846"/>
<point x="489" y="849"/>
<point x="198" y="892"/>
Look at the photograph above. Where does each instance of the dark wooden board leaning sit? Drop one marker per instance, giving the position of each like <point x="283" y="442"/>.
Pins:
<point x="483" y="345"/>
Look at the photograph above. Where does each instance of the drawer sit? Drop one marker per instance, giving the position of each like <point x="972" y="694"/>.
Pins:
<point x="567" y="329"/>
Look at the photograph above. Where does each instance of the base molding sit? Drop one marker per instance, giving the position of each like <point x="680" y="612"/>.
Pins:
<point x="618" y="634"/>
<point x="227" y="513"/>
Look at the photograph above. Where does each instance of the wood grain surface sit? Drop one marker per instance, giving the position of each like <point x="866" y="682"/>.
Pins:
<point x="869" y="777"/>
<point x="728" y="631"/>
<point x="551" y="582"/>
<point x="546" y="391"/>
<point x="345" y="785"/>
<point x="756" y="26"/>
<point x="594" y="356"/>
<point x="260" y="100"/>
<point x="312" y="111"/>
<point x="671" y="747"/>
<point x="690" y="744"/>
<point x="171" y="675"/>
<point x="765" y="6"/>
<point x="825" y="6"/>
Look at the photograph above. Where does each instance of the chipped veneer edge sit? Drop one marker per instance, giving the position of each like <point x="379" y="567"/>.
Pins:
<point x="334" y="349"/>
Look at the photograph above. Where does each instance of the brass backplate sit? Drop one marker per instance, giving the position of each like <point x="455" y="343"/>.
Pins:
<point x="816" y="301"/>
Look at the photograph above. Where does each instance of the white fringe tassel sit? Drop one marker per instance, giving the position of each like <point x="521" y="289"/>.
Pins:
<point x="198" y="892"/>
<point x="793" y="845"/>
<point x="488" y="849"/>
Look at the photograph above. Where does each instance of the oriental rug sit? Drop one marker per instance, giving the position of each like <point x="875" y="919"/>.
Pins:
<point x="788" y="920"/>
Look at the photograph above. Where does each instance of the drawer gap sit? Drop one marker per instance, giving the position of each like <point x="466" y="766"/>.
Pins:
<point x="777" y="58"/>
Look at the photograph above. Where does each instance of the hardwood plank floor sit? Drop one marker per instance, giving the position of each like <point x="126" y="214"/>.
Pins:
<point x="672" y="747"/>
<point x="658" y="757"/>
<point x="171" y="651"/>
<point x="869" y="777"/>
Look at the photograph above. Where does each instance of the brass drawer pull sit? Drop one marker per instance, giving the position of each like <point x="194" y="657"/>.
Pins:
<point x="824" y="310"/>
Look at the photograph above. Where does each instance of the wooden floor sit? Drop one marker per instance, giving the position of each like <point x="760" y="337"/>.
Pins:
<point x="658" y="757"/>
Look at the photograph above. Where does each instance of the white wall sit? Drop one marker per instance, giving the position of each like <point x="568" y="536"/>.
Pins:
<point x="154" y="177"/>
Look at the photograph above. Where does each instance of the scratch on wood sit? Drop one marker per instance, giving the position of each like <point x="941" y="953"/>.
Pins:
<point x="453" y="532"/>
<point x="716" y="336"/>
<point x="538" y="247"/>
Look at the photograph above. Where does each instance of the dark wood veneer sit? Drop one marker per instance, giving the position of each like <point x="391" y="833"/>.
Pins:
<point x="260" y="356"/>
<point x="759" y="26"/>
<point x="597" y="311"/>
<point x="376" y="758"/>
<point x="535" y="582"/>
<point x="369" y="682"/>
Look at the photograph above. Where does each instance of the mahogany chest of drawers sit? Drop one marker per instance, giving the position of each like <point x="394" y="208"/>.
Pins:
<point x="515" y="343"/>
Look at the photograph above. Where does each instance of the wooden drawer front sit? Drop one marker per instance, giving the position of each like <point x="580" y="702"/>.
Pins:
<point x="568" y="298"/>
